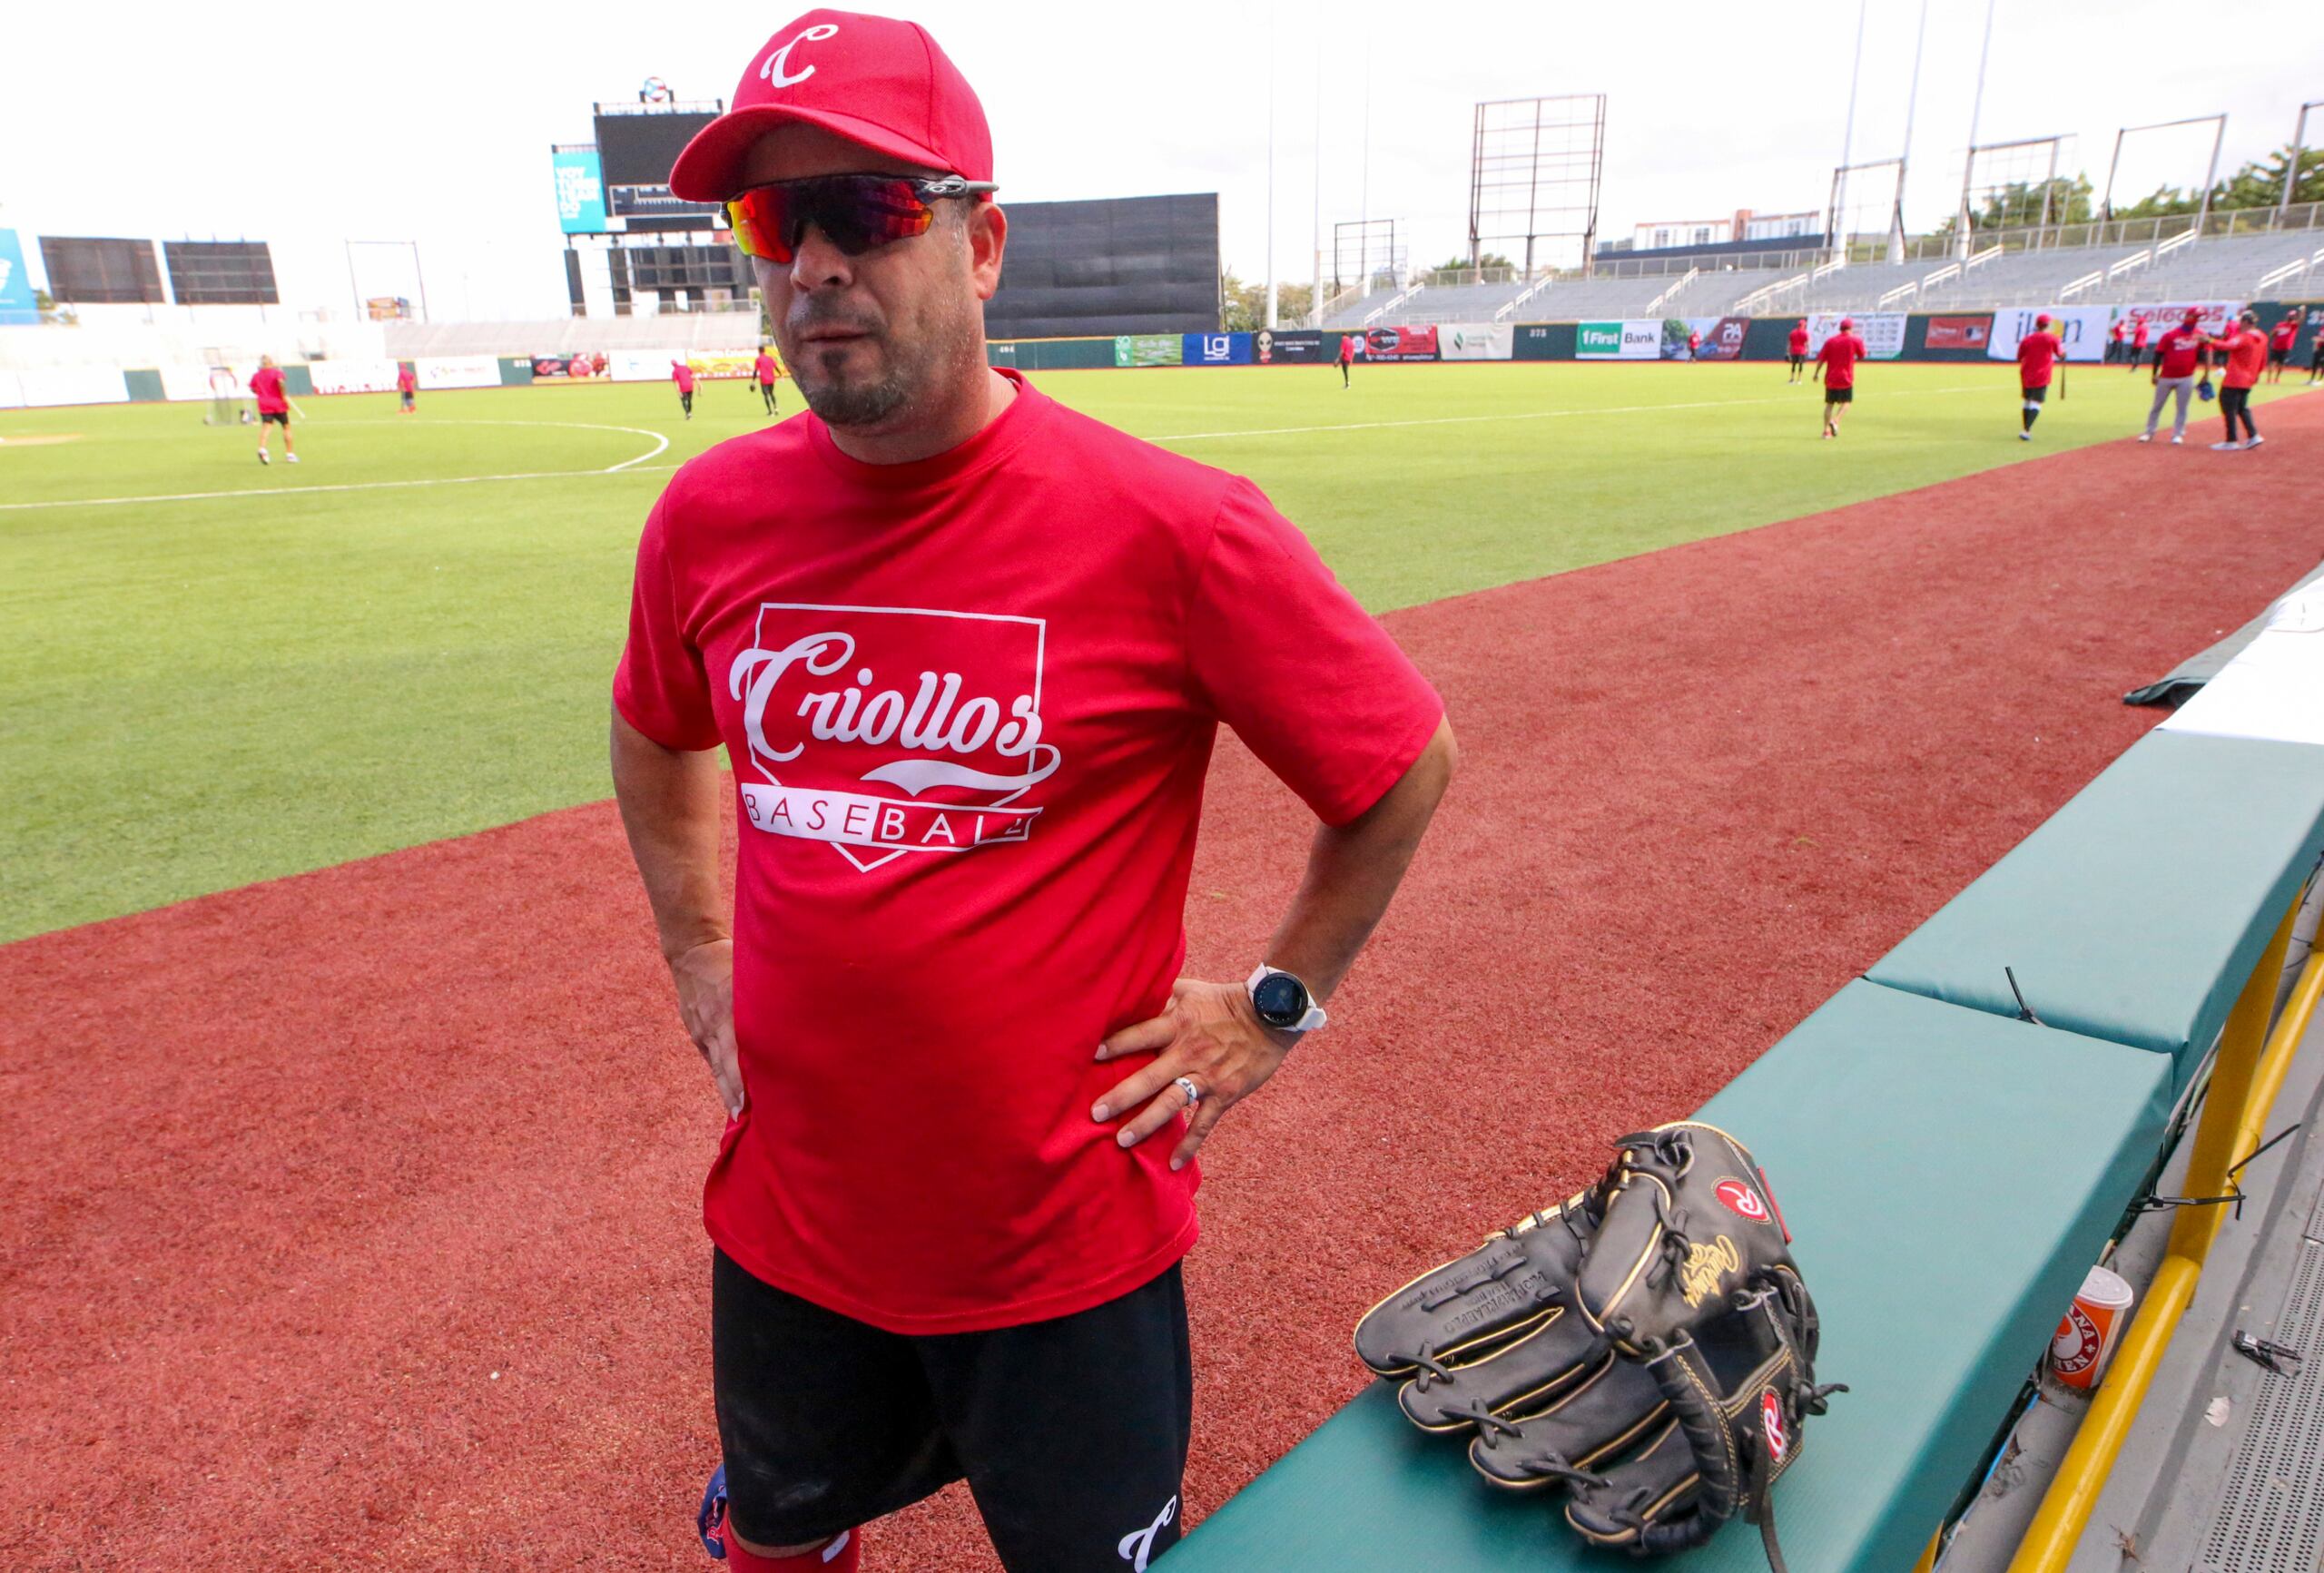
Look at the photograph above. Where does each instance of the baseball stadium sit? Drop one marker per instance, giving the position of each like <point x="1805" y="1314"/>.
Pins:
<point x="666" y="911"/>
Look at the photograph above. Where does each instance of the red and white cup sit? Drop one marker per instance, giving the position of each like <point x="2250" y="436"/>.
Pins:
<point x="2091" y="1328"/>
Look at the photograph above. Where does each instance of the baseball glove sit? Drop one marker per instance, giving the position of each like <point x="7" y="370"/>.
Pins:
<point x="1659" y="1310"/>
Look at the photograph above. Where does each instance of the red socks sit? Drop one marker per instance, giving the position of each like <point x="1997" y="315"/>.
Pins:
<point x="841" y="1556"/>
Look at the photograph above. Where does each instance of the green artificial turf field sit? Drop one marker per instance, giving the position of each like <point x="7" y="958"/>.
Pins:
<point x="242" y="673"/>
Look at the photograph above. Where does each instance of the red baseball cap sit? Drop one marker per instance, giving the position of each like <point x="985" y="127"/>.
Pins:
<point x="1846" y="323"/>
<point x="2042" y="321"/>
<point x="874" y="80"/>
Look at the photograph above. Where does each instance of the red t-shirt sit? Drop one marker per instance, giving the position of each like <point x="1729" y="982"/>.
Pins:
<point x="2286" y="331"/>
<point x="1042" y="630"/>
<point x="266" y="386"/>
<point x="2138" y="339"/>
<point x="766" y="368"/>
<point x="2177" y="351"/>
<point x="683" y="374"/>
<point x="1838" y="357"/>
<point x="1347" y="348"/>
<point x="2247" y="357"/>
<point x="2036" y="354"/>
<point x="1694" y="340"/>
<point x="406" y="382"/>
<point x="1800" y="339"/>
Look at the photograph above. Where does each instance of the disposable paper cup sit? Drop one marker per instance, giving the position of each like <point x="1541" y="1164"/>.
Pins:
<point x="2089" y="1329"/>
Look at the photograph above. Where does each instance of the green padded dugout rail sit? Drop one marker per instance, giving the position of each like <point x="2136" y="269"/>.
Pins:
<point x="2135" y="913"/>
<point x="1950" y="1175"/>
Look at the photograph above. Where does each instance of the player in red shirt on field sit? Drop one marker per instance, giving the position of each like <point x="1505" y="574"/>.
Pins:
<point x="2245" y="348"/>
<point x="2038" y="354"/>
<point x="2138" y="340"/>
<point x="1694" y="344"/>
<point x="273" y="407"/>
<point x="1835" y="368"/>
<point x="2177" y="355"/>
<point x="683" y="374"/>
<point x="2279" y="345"/>
<point x="2115" y="336"/>
<point x="1348" y="356"/>
<point x="967" y="650"/>
<point x="407" y="388"/>
<point x="1799" y="348"/>
<point x="767" y="371"/>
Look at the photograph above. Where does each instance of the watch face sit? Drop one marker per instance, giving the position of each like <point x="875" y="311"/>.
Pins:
<point x="1281" y="999"/>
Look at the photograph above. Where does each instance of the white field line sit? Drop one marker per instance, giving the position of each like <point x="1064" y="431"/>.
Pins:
<point x="638" y="465"/>
<point x="661" y="444"/>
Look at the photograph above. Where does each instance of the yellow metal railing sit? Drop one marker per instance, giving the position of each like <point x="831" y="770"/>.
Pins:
<point x="2246" y="1076"/>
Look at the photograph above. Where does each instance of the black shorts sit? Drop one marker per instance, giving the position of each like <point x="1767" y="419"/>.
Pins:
<point x="279" y="416"/>
<point x="1838" y="395"/>
<point x="1797" y="361"/>
<point x="2278" y="357"/>
<point x="2036" y="395"/>
<point x="1071" y="1432"/>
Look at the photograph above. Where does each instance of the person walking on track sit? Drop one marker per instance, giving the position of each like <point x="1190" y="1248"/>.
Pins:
<point x="2245" y="349"/>
<point x="2177" y="355"/>
<point x="2038" y="354"/>
<point x="967" y="650"/>
<point x="1835" y="368"/>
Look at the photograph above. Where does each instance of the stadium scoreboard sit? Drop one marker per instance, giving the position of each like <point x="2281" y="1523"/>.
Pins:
<point x="636" y="145"/>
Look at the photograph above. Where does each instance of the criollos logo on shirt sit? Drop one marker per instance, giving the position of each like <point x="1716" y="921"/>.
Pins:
<point x="890" y="730"/>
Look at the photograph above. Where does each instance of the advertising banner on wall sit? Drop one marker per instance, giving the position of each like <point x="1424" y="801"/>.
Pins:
<point x="1882" y="332"/>
<point x="1970" y="332"/>
<point x="2083" y="328"/>
<point x="1475" y="341"/>
<point x="1398" y="344"/>
<point x="2214" y="316"/>
<point x="642" y="365"/>
<point x="1149" y="350"/>
<point x="353" y="376"/>
<point x="1215" y="349"/>
<point x="572" y="368"/>
<point x="17" y="307"/>
<point x="1677" y="330"/>
<point x="1723" y="339"/>
<point x="40" y="385"/>
<point x="1629" y="341"/>
<point x="458" y="371"/>
<point x="722" y="364"/>
<point x="580" y="193"/>
<point x="1545" y="341"/>
<point x="1291" y="346"/>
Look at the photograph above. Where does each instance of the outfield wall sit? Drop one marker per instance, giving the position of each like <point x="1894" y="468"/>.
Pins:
<point x="1975" y="337"/>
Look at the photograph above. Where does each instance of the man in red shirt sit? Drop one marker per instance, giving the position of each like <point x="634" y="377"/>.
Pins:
<point x="2138" y="340"/>
<point x="767" y="372"/>
<point x="2245" y="349"/>
<point x="1835" y="368"/>
<point x="407" y="389"/>
<point x="273" y="407"/>
<point x="2037" y="357"/>
<point x="1348" y="356"/>
<point x="1694" y="344"/>
<point x="967" y="650"/>
<point x="2279" y="345"/>
<point x="1799" y="348"/>
<point x="2115" y="336"/>
<point x="683" y="374"/>
<point x="2177" y="355"/>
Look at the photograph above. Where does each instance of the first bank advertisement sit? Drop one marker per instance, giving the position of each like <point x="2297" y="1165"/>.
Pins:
<point x="1633" y="340"/>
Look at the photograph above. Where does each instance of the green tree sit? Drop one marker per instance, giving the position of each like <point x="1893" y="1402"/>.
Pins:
<point x="2018" y="204"/>
<point x="1460" y="263"/>
<point x="2260" y="183"/>
<point x="1243" y="308"/>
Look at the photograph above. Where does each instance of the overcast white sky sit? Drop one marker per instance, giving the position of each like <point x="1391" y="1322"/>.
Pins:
<point x="432" y="121"/>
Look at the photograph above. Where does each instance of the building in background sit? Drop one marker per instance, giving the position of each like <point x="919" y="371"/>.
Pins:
<point x="1740" y="227"/>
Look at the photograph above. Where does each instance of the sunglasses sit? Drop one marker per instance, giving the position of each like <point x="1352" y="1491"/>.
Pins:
<point x="856" y="212"/>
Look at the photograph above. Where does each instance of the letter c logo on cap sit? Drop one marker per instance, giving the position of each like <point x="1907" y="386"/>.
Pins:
<point x="777" y="69"/>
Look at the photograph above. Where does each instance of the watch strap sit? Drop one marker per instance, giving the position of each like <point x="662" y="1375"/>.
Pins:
<point x="1315" y="1018"/>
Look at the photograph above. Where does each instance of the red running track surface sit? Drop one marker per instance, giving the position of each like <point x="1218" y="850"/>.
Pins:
<point x="350" y="1220"/>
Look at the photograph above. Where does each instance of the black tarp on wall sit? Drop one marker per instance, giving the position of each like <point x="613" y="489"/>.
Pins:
<point x="1118" y="265"/>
